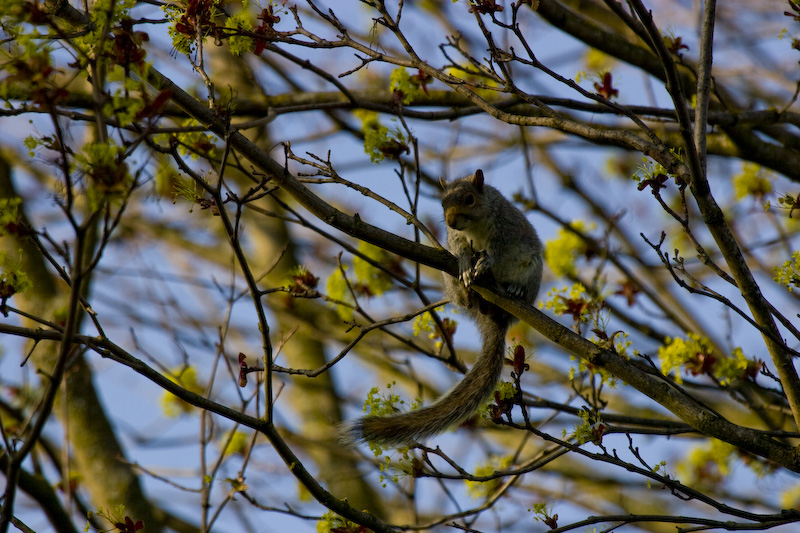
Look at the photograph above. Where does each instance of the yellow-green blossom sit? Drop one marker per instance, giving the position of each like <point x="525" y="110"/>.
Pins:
<point x="240" y="44"/>
<point x="104" y="164"/>
<point x="696" y="355"/>
<point x="790" y="498"/>
<point x="412" y="87"/>
<point x="570" y="301"/>
<point x="338" y="290"/>
<point x="788" y="274"/>
<point x="561" y="253"/>
<point x="383" y="404"/>
<point x="9" y="215"/>
<point x="597" y="61"/>
<point x="482" y="489"/>
<point x="186" y="378"/>
<point x="707" y="465"/>
<point x="234" y="442"/>
<point x="12" y="278"/>
<point x="372" y="280"/>
<point x="333" y="523"/>
<point x="379" y="141"/>
<point x="753" y="180"/>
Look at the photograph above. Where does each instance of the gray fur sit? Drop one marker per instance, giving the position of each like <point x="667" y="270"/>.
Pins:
<point x="489" y="236"/>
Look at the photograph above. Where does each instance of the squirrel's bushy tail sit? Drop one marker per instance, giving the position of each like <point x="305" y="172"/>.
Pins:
<point x="454" y="407"/>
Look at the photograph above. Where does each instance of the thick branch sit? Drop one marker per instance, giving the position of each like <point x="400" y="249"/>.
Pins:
<point x="652" y="385"/>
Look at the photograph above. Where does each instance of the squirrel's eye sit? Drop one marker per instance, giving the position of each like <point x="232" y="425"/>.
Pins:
<point x="469" y="200"/>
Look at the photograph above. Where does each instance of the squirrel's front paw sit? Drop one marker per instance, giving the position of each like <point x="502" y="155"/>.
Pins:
<point x="465" y="271"/>
<point x="481" y="266"/>
<point x="467" y="277"/>
<point x="515" y="291"/>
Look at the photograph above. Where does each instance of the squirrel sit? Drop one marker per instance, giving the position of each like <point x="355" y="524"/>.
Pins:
<point x="490" y="237"/>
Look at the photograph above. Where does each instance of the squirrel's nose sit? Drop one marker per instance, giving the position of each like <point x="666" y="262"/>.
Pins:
<point x="452" y="220"/>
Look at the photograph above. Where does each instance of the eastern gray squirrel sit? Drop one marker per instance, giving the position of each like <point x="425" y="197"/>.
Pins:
<point x="488" y="236"/>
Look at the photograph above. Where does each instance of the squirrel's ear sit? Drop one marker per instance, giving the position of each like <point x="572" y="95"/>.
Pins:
<point x="477" y="180"/>
<point x="442" y="182"/>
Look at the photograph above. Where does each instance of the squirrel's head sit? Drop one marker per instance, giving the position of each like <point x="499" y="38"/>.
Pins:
<point x="476" y="180"/>
<point x="463" y="200"/>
